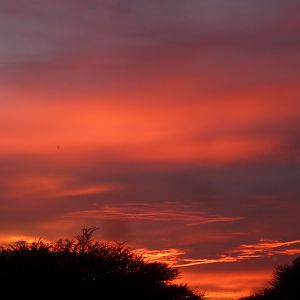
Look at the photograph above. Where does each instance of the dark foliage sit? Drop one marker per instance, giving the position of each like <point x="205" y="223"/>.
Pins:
<point x="85" y="269"/>
<point x="284" y="286"/>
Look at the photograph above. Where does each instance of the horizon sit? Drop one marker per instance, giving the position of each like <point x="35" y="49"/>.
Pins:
<point x="171" y="125"/>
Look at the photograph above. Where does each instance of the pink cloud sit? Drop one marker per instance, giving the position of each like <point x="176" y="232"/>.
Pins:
<point x="42" y="186"/>
<point x="142" y="212"/>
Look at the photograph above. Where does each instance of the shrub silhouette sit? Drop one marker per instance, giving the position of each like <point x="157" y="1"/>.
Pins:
<point x="85" y="269"/>
<point x="285" y="284"/>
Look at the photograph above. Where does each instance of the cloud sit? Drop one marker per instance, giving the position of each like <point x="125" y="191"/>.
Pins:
<point x="168" y="256"/>
<point x="11" y="239"/>
<point x="111" y="108"/>
<point x="266" y="248"/>
<point x="42" y="186"/>
<point x="248" y="251"/>
<point x="85" y="130"/>
<point x="149" y="212"/>
<point x="177" y="257"/>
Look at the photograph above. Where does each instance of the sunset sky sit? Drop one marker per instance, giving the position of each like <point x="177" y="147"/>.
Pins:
<point x="173" y="125"/>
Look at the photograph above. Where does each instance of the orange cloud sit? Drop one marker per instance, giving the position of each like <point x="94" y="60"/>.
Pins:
<point x="10" y="239"/>
<point x="168" y="256"/>
<point x="224" y="284"/>
<point x="245" y="252"/>
<point x="177" y="257"/>
<point x="217" y="285"/>
<point x="207" y="131"/>
<point x="266" y="248"/>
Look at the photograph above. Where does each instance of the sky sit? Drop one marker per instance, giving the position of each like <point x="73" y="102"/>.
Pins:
<point x="172" y="125"/>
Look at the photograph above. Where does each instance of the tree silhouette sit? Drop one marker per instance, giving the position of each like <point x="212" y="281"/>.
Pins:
<point x="285" y="284"/>
<point x="82" y="268"/>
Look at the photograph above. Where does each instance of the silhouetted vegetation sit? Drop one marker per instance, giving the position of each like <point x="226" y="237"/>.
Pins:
<point x="285" y="284"/>
<point x="82" y="268"/>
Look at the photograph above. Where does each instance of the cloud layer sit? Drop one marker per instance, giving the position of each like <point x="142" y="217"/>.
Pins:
<point x="171" y="124"/>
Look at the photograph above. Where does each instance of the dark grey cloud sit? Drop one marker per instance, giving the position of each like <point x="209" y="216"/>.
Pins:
<point x="262" y="194"/>
<point x="50" y="42"/>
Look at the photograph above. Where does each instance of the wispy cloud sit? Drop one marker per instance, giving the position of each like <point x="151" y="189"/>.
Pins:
<point x="168" y="256"/>
<point x="146" y="212"/>
<point x="176" y="257"/>
<point x="266" y="248"/>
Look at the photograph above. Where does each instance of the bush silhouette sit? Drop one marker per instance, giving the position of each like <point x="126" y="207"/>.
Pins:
<point x="285" y="284"/>
<point x="85" y="269"/>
